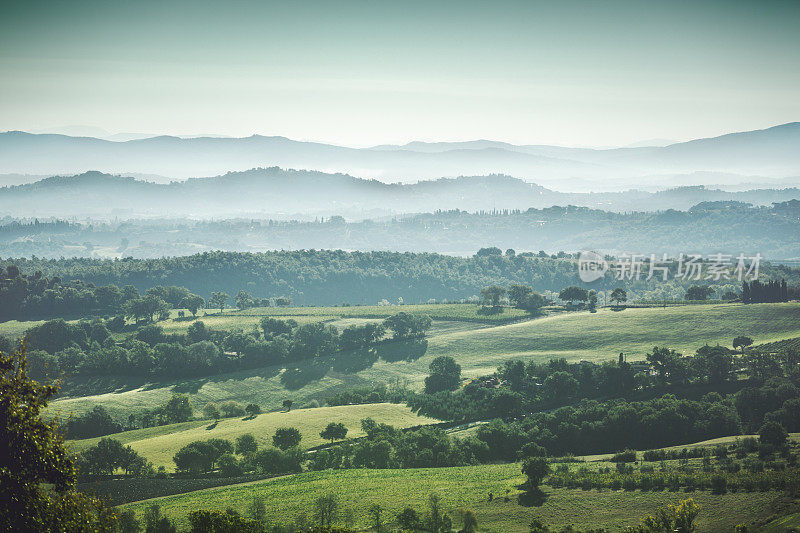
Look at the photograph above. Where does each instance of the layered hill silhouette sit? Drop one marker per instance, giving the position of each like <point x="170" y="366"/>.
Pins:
<point x="286" y="194"/>
<point x="771" y="153"/>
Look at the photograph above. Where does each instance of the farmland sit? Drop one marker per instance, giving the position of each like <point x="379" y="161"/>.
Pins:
<point x="461" y="488"/>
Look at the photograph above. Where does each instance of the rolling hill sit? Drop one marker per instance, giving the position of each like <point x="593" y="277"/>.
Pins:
<point x="159" y="444"/>
<point x="478" y="348"/>
<point x="771" y="152"/>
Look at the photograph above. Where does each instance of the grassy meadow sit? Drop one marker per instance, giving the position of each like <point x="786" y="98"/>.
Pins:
<point x="159" y="444"/>
<point x="463" y="488"/>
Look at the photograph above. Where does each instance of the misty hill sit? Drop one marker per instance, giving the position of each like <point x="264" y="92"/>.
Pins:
<point x="708" y="227"/>
<point x="285" y="194"/>
<point x="771" y="153"/>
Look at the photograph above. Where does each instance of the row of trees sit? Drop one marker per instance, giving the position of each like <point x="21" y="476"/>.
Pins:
<point x="87" y="348"/>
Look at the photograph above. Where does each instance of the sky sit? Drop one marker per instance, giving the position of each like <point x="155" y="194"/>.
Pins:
<point x="593" y="73"/>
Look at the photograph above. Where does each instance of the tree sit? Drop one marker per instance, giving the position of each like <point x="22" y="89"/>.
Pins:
<point x="619" y="295"/>
<point x="405" y="325"/>
<point x="244" y="300"/>
<point x="253" y="409"/>
<point x="193" y="303"/>
<point x="334" y="431"/>
<point x="246" y="444"/>
<point x="201" y="456"/>
<point x="258" y="510"/>
<point x="445" y="374"/>
<point x="215" y="521"/>
<point x="437" y="521"/>
<point x="492" y="294"/>
<point x="535" y="468"/>
<point x="742" y="342"/>
<point x="211" y="411"/>
<point x="714" y="362"/>
<point x="517" y="294"/>
<point x="772" y="433"/>
<point x="668" y="365"/>
<point x="488" y="252"/>
<point x="232" y="408"/>
<point x="155" y="522"/>
<point x="287" y="404"/>
<point x="592" y="300"/>
<point x="560" y="386"/>
<point x="286" y="438"/>
<point x="469" y="522"/>
<point x="409" y="520"/>
<point x="32" y="454"/>
<point x="375" y="513"/>
<point x="573" y="294"/>
<point x="325" y="508"/>
<point x="699" y="292"/>
<point x="673" y="518"/>
<point x="109" y="454"/>
<point x="218" y="300"/>
<point x="178" y="408"/>
<point x="276" y="326"/>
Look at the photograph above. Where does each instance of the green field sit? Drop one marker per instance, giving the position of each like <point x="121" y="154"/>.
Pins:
<point x="159" y="444"/>
<point x="462" y="488"/>
<point x="478" y="348"/>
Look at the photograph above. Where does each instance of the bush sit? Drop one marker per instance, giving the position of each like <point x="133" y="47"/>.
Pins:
<point x="719" y="484"/>
<point x="628" y="456"/>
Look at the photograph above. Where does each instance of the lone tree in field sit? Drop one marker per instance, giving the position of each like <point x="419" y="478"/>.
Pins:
<point x="375" y="514"/>
<point x="491" y="295"/>
<point x="742" y="342"/>
<point x="286" y="438"/>
<point x="619" y="296"/>
<point x="445" y="374"/>
<point x="253" y="409"/>
<point x="573" y="294"/>
<point x="193" y="303"/>
<point x="535" y="468"/>
<point x="334" y="431"/>
<point x="287" y="404"/>
<point x="218" y="300"/>
<point x="325" y="508"/>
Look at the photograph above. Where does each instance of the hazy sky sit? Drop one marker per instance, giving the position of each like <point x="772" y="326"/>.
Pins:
<point x="364" y="73"/>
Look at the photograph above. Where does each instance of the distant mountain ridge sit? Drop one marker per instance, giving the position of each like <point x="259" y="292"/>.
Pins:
<point x="772" y="152"/>
<point x="284" y="194"/>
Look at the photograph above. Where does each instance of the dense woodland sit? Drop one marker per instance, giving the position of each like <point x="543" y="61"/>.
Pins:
<point x="42" y="288"/>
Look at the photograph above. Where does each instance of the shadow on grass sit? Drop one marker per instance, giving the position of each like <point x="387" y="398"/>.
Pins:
<point x="409" y="350"/>
<point x="189" y="387"/>
<point x="212" y="425"/>
<point x="352" y="362"/>
<point x="532" y="498"/>
<point x="304" y="373"/>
